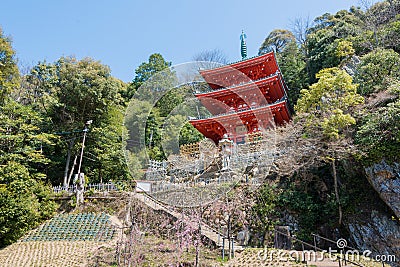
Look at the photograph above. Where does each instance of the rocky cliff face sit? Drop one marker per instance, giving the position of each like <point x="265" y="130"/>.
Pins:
<point x="385" y="179"/>
<point x="378" y="233"/>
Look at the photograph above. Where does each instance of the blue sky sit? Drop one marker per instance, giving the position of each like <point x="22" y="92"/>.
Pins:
<point x="123" y="33"/>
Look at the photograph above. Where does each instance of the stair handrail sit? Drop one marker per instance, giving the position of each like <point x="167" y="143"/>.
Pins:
<point x="346" y="246"/>
<point x="320" y="249"/>
<point x="331" y="241"/>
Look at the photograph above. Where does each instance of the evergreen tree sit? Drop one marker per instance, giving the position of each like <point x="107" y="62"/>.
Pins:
<point x="24" y="198"/>
<point x="9" y="74"/>
<point x="72" y="92"/>
<point x="377" y="70"/>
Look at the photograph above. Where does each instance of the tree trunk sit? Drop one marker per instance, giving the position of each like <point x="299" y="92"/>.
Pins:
<point x="335" y="181"/>
<point x="72" y="170"/>
<point x="197" y="263"/>
<point x="229" y="237"/>
<point x="70" y="146"/>
<point x="100" y="174"/>
<point x="263" y="238"/>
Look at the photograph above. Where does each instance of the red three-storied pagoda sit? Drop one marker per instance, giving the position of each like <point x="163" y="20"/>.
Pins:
<point x="245" y="97"/>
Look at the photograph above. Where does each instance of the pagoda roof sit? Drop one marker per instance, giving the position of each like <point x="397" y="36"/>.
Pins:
<point x="277" y="105"/>
<point x="242" y="71"/>
<point x="239" y="65"/>
<point x="251" y="85"/>
<point x="215" y="126"/>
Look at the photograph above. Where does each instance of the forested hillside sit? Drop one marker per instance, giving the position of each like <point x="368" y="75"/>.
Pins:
<point x="343" y="74"/>
<point x="365" y="45"/>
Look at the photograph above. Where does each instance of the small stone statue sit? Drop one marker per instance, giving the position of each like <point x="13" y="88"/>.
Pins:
<point x="226" y="151"/>
<point x="80" y="187"/>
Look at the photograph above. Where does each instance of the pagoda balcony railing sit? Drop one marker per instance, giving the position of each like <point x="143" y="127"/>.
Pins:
<point x="277" y="73"/>
<point x="282" y="100"/>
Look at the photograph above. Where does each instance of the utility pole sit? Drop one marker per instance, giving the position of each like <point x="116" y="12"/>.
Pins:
<point x="79" y="178"/>
<point x="83" y="143"/>
<point x="71" y="143"/>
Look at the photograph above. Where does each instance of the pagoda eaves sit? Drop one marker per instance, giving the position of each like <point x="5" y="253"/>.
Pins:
<point x="241" y="72"/>
<point x="245" y="97"/>
<point x="256" y="93"/>
<point x="238" y="124"/>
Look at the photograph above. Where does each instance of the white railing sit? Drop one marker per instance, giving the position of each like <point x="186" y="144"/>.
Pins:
<point x="107" y="187"/>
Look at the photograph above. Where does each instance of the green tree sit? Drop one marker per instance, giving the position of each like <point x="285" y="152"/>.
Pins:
<point x="189" y="134"/>
<point x="135" y="121"/>
<point x="155" y="83"/>
<point x="24" y="202"/>
<point x="327" y="102"/>
<point x="377" y="20"/>
<point x="323" y="39"/>
<point x="277" y="40"/>
<point x="169" y="101"/>
<point x="24" y="199"/>
<point x="135" y="161"/>
<point x="85" y="90"/>
<point x="378" y="135"/>
<point x="155" y="92"/>
<point x="326" y="107"/>
<point x="105" y="148"/>
<point x="153" y="135"/>
<point x="376" y="70"/>
<point x="172" y="128"/>
<point x="293" y="66"/>
<point x="9" y="74"/>
<point x="344" y="50"/>
<point x="390" y="35"/>
<point x="290" y="58"/>
<point x="147" y="70"/>
<point x="321" y="47"/>
<point x="72" y="92"/>
<point x="265" y="212"/>
<point x="22" y="139"/>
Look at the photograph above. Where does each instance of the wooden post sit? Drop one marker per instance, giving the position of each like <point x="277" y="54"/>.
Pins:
<point x="315" y="244"/>
<point x="223" y="248"/>
<point x="233" y="249"/>
<point x="282" y="239"/>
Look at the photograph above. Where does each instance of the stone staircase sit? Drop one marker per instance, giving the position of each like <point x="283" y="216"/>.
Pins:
<point x="249" y="257"/>
<point x="207" y="231"/>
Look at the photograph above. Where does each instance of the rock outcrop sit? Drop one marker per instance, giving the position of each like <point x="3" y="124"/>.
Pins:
<point x="379" y="234"/>
<point x="385" y="179"/>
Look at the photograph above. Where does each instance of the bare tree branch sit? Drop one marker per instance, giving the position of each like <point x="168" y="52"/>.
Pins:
<point x="215" y="55"/>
